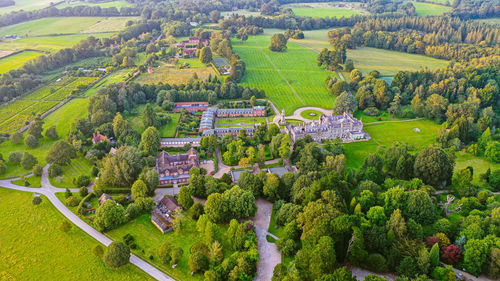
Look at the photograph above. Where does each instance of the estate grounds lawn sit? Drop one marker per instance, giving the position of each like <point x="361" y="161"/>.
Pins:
<point x="388" y="133"/>
<point x="480" y="165"/>
<point x="33" y="248"/>
<point x="291" y="79"/>
<point x="79" y="166"/>
<point x="171" y="74"/>
<point x="29" y="181"/>
<point x="311" y="114"/>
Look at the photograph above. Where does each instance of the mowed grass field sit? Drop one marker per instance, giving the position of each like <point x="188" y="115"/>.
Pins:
<point x="291" y="79"/>
<point x="170" y="74"/>
<point x="79" y="166"/>
<point x="479" y="164"/>
<point x="33" y="248"/>
<point x="428" y="9"/>
<point x="17" y="60"/>
<point x="388" y="133"/>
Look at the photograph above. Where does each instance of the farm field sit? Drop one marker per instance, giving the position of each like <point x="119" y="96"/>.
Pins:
<point x="16" y="60"/>
<point x="115" y="77"/>
<point x="50" y="26"/>
<point x="428" y="9"/>
<point x="109" y="25"/>
<point x="172" y="75"/>
<point x="26" y="5"/>
<point x="117" y="4"/>
<point x="241" y="12"/>
<point x="71" y="255"/>
<point x="281" y="75"/>
<point x="321" y="10"/>
<point x="388" y="133"/>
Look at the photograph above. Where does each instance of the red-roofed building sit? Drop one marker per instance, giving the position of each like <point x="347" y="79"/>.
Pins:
<point x="97" y="138"/>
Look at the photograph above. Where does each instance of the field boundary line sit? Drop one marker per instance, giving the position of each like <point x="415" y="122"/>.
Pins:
<point x="280" y="74"/>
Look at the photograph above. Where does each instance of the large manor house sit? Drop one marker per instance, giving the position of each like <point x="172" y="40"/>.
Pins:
<point x="345" y="127"/>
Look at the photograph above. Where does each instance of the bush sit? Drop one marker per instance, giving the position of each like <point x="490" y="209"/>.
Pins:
<point x="83" y="180"/>
<point x="31" y="141"/>
<point x="55" y="170"/>
<point x="451" y="254"/>
<point x="72" y="201"/>
<point x="65" y="226"/>
<point x="36" y="200"/>
<point x="98" y="251"/>
<point x="133" y="211"/>
<point x="15" y="157"/>
<point x="117" y="254"/>
<point x="198" y="262"/>
<point x="122" y="199"/>
<point x="37" y="170"/>
<point x="197" y="210"/>
<point x="376" y="263"/>
<point x="83" y="191"/>
<point x="371" y="111"/>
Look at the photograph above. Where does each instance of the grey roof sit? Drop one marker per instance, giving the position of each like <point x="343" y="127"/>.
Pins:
<point x="181" y="140"/>
<point x="235" y="174"/>
<point x="278" y="170"/>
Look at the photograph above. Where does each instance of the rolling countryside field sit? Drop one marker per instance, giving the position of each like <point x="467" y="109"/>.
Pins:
<point x="26" y="5"/>
<point x="168" y="73"/>
<point x="388" y="133"/>
<point x="27" y="246"/>
<point x="290" y="79"/>
<point x="321" y="10"/>
<point x="110" y="4"/>
<point x="428" y="9"/>
<point x="17" y="60"/>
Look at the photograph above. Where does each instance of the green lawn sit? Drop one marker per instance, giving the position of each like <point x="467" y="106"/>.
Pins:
<point x="79" y="166"/>
<point x="17" y="60"/>
<point x="479" y="164"/>
<point x="290" y="79"/>
<point x="168" y="131"/>
<point x="272" y="226"/>
<point x="388" y="133"/>
<point x="240" y="120"/>
<point x="311" y="114"/>
<point x="324" y="12"/>
<point x="33" y="248"/>
<point x="32" y="182"/>
<point x="428" y="9"/>
<point x="388" y="62"/>
<point x="50" y="26"/>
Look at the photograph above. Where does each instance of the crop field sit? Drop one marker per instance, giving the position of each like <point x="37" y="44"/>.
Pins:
<point x="290" y="79"/>
<point x="50" y="26"/>
<point x="32" y="243"/>
<point x="388" y="133"/>
<point x="26" y="5"/>
<point x="172" y="75"/>
<point x="17" y="60"/>
<point x="241" y="12"/>
<point x="109" y="25"/>
<point x="110" y="4"/>
<point x="428" y="9"/>
<point x="20" y="112"/>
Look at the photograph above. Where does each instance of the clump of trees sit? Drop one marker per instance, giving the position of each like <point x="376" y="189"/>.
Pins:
<point x="278" y="43"/>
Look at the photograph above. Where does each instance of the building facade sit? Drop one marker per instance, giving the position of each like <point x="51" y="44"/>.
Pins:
<point x="175" y="168"/>
<point x="345" y="127"/>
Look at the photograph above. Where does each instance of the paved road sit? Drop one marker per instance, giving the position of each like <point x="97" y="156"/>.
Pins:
<point x="296" y="114"/>
<point x="268" y="252"/>
<point x="49" y="191"/>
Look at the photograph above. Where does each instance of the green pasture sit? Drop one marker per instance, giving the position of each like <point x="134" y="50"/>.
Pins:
<point x="325" y="12"/>
<point x="171" y="74"/>
<point x="136" y="121"/>
<point x="17" y="60"/>
<point x="388" y="63"/>
<point x="386" y="134"/>
<point x="116" y="4"/>
<point x="47" y="43"/>
<point x="79" y="166"/>
<point x="50" y="26"/>
<point x="26" y="5"/>
<point x="290" y="79"/>
<point x="241" y="12"/>
<point x="32" y="244"/>
<point x="428" y="9"/>
<point x="114" y="77"/>
<point x="311" y="114"/>
<point x="110" y="24"/>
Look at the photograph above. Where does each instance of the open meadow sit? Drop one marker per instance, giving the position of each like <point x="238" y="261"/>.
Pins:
<point x="26" y="5"/>
<point x="321" y="10"/>
<point x="479" y="164"/>
<point x="32" y="245"/>
<point x="429" y="9"/>
<point x="109" y="4"/>
<point x="291" y="79"/>
<point x="171" y="74"/>
<point x="386" y="134"/>
<point x="17" y="60"/>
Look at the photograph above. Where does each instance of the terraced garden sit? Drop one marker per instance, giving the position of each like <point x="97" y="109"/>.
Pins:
<point x="290" y="79"/>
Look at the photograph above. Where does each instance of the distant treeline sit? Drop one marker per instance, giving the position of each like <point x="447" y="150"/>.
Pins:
<point x="6" y="3"/>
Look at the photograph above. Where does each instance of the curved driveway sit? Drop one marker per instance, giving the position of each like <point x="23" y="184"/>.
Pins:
<point x="49" y="191"/>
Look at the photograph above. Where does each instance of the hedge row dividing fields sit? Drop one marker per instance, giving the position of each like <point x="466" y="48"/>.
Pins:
<point x="291" y="79"/>
<point x="19" y="113"/>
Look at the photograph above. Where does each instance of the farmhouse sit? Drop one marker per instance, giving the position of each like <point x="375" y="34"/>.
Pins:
<point x="168" y="205"/>
<point x="190" y="46"/>
<point x="175" y="168"/>
<point x="104" y="197"/>
<point x="345" y="127"/>
<point x="96" y="138"/>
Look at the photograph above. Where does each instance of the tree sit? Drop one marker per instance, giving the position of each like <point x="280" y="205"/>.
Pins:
<point x="206" y="55"/>
<point x="65" y="226"/>
<point x="197" y="210"/>
<point x="109" y="215"/>
<point x="339" y="87"/>
<point x="3" y="167"/>
<point x="324" y="257"/>
<point x="37" y="170"/>
<point x="28" y="161"/>
<point x="83" y="191"/>
<point x="420" y="207"/>
<point x="271" y="189"/>
<point x="433" y="166"/>
<point x="98" y="251"/>
<point x="55" y="170"/>
<point x="395" y="106"/>
<point x="149" y="117"/>
<point x="492" y="151"/>
<point x="241" y="202"/>
<point x="344" y="103"/>
<point x="51" y="133"/>
<point x="198" y="262"/>
<point x="16" y="138"/>
<point x="61" y="153"/>
<point x="31" y="141"/>
<point x="434" y="255"/>
<point x="36" y="200"/>
<point x="150" y="141"/>
<point x="150" y="178"/>
<point x="349" y="65"/>
<point x="36" y="128"/>
<point x="120" y="125"/>
<point x="475" y="256"/>
<point x="217" y="208"/>
<point x="278" y="43"/>
<point x="72" y="201"/>
<point x="139" y="189"/>
<point x="451" y="254"/>
<point x="185" y="198"/>
<point x="117" y="254"/>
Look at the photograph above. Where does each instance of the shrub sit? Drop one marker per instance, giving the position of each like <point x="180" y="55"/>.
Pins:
<point x="133" y="211"/>
<point x="451" y="254"/>
<point x="37" y="170"/>
<point x="117" y="254"/>
<point x="83" y="191"/>
<point x="443" y="240"/>
<point x="31" y="141"/>
<point x="55" y="170"/>
<point x="408" y="267"/>
<point x="431" y="240"/>
<point x="83" y="180"/>
<point x="36" y="200"/>
<point x="65" y="226"/>
<point x="371" y="111"/>
<point x="98" y="251"/>
<point x="377" y="263"/>
<point x="197" y="210"/>
<point x="72" y="201"/>
<point x="68" y="193"/>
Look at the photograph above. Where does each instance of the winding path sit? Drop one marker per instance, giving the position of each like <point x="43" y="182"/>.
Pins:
<point x="50" y="192"/>
<point x="268" y="252"/>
